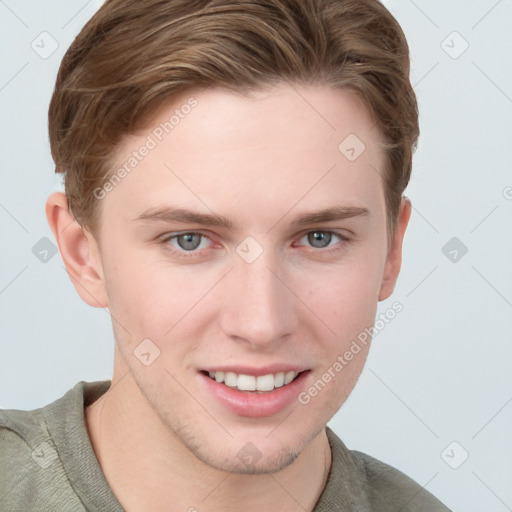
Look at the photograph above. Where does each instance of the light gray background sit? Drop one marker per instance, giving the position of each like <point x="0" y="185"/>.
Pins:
<point x="439" y="372"/>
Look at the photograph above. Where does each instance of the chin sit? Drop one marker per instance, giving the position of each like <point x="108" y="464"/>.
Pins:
<point x="250" y="452"/>
<point x="247" y="460"/>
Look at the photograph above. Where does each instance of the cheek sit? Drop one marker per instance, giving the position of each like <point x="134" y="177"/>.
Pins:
<point x="346" y="301"/>
<point x="149" y="297"/>
<point x="344" y="296"/>
<point x="139" y="296"/>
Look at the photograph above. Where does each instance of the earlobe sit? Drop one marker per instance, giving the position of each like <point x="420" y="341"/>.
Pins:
<point x="79" y="251"/>
<point x="394" y="258"/>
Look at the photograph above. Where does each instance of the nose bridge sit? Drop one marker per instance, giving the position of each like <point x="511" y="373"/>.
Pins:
<point x="258" y="307"/>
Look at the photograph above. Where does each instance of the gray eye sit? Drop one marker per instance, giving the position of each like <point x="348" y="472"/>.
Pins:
<point x="319" y="239"/>
<point x="189" y="241"/>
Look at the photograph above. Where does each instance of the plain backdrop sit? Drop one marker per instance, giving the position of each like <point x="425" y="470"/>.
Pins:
<point x="435" y="397"/>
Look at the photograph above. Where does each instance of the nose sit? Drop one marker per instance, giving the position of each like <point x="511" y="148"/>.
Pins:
<point x="258" y="308"/>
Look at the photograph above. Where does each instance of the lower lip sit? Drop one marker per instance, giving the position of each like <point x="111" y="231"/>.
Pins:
<point x="255" y="405"/>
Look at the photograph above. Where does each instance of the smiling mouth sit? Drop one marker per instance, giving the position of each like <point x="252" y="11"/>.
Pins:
<point x="255" y="384"/>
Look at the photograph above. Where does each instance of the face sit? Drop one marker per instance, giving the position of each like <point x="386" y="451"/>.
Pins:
<point x="245" y="243"/>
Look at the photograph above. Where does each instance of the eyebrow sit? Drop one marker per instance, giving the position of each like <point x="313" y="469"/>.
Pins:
<point x="186" y="216"/>
<point x="330" y="214"/>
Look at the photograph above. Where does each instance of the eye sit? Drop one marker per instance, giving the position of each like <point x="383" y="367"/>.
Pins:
<point x="187" y="242"/>
<point x="320" y="239"/>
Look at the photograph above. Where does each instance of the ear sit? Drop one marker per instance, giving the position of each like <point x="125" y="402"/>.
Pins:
<point x="394" y="258"/>
<point x="79" y="251"/>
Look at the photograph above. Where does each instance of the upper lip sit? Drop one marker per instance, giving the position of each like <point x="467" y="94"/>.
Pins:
<point x="262" y="370"/>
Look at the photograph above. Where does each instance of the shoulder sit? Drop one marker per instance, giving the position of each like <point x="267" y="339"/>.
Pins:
<point x="389" y="487"/>
<point x="32" y="474"/>
<point x="21" y="433"/>
<point x="375" y="485"/>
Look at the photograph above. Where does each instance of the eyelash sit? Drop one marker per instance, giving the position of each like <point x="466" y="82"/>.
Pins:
<point x="180" y="253"/>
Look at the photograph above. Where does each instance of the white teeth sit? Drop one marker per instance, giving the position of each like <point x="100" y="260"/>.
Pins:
<point x="246" y="383"/>
<point x="289" y="377"/>
<point x="265" y="382"/>
<point x="251" y="383"/>
<point x="279" y="379"/>
<point x="230" y="379"/>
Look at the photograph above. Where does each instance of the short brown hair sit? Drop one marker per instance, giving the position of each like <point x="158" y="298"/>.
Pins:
<point x="135" y="54"/>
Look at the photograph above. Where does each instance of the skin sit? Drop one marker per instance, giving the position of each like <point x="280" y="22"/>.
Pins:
<point x="162" y="441"/>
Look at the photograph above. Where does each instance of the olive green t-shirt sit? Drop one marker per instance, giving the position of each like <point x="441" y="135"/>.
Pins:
<point x="47" y="463"/>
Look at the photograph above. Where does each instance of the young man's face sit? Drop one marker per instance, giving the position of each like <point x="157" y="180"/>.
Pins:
<point x="264" y="295"/>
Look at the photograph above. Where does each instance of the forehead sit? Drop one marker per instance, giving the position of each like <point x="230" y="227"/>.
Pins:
<point x="260" y="153"/>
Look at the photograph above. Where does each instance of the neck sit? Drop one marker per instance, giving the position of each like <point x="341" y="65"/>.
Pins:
<point x="148" y="468"/>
